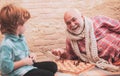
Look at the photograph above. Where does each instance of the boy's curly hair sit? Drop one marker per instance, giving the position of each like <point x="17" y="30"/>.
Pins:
<point x="11" y="16"/>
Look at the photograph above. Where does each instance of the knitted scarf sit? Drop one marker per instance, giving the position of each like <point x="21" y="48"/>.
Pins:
<point x="90" y="46"/>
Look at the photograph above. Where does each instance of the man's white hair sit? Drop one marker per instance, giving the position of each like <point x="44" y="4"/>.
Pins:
<point x="76" y="11"/>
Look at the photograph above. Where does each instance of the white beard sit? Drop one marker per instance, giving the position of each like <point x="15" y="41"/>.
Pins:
<point x="77" y="31"/>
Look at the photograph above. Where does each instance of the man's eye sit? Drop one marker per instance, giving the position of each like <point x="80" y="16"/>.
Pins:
<point x="68" y="23"/>
<point x="74" y="19"/>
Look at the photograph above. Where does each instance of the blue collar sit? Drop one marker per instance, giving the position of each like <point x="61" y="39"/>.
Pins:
<point x="14" y="37"/>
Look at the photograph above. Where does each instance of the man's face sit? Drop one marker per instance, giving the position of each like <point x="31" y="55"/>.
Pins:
<point x="74" y="21"/>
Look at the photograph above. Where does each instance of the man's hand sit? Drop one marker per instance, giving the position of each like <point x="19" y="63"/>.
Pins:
<point x="58" y="52"/>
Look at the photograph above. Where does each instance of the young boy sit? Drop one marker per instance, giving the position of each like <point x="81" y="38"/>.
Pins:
<point x="15" y="57"/>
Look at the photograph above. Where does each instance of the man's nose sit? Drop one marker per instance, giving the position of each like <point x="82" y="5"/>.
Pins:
<point x="72" y="23"/>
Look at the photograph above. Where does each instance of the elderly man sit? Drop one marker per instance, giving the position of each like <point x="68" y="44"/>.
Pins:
<point x="95" y="40"/>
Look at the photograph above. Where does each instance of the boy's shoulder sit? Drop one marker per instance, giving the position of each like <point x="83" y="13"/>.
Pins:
<point x="6" y="42"/>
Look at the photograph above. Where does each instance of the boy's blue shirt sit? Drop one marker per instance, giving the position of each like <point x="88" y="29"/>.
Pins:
<point x="13" y="48"/>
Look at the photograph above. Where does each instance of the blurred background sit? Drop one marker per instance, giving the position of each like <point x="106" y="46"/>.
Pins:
<point x="46" y="28"/>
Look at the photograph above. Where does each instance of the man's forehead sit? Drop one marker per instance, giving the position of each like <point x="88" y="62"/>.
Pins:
<point x="71" y="13"/>
<point x="70" y="16"/>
